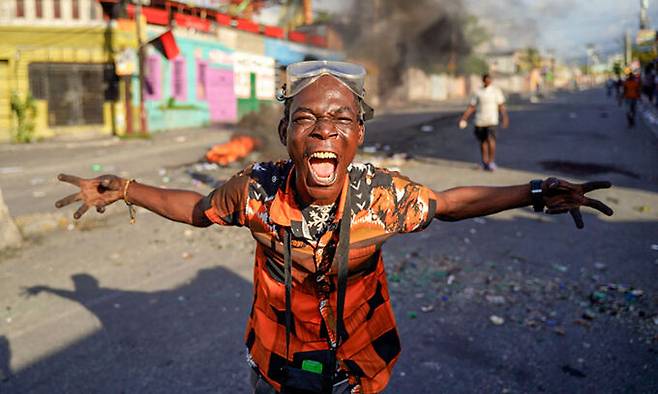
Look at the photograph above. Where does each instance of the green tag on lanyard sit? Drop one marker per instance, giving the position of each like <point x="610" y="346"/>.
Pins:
<point x="312" y="366"/>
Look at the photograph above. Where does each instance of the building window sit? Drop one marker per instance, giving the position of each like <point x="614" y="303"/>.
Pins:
<point x="152" y="82"/>
<point x="75" y="9"/>
<point x="178" y="82"/>
<point x="20" y="8"/>
<point x="74" y="92"/>
<point x="38" y="8"/>
<point x="201" y="68"/>
<point x="57" y="9"/>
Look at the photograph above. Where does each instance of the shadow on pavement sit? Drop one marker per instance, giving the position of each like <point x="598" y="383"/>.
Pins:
<point x="540" y="277"/>
<point x="187" y="339"/>
<point x="5" y="359"/>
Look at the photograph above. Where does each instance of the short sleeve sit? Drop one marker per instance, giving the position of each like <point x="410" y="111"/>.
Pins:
<point x="474" y="100"/>
<point x="501" y="97"/>
<point x="415" y="204"/>
<point x="228" y="202"/>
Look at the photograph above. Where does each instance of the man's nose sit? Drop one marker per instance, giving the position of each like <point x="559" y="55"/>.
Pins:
<point x="324" y="129"/>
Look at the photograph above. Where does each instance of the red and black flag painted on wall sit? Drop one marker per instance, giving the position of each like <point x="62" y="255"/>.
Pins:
<point x="166" y="45"/>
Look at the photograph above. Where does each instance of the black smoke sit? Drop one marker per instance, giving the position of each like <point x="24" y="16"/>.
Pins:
<point x="394" y="36"/>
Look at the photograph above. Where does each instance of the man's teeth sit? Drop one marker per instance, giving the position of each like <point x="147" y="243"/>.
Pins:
<point x="324" y="155"/>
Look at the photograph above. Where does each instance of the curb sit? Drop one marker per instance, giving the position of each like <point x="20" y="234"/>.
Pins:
<point x="34" y="225"/>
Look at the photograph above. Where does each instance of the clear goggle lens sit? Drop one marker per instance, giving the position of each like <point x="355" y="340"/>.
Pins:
<point x="301" y="75"/>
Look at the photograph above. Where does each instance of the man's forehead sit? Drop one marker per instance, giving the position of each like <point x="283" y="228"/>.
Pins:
<point x="326" y="91"/>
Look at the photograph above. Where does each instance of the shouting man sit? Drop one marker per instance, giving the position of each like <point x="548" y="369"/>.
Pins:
<point x="487" y="102"/>
<point x="321" y="319"/>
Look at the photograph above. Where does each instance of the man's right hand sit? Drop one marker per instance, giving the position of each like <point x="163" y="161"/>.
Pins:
<point x="96" y="192"/>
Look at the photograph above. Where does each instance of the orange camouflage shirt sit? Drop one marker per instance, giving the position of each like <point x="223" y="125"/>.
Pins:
<point x="382" y="204"/>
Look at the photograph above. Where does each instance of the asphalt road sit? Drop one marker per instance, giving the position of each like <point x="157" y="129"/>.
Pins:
<point x="517" y="302"/>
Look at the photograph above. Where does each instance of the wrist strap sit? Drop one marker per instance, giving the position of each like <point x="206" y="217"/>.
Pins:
<point x="131" y="206"/>
<point x="537" y="195"/>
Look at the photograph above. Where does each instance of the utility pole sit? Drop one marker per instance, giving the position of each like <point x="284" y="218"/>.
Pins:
<point x="644" y="14"/>
<point x="140" y="64"/>
<point x="627" y="48"/>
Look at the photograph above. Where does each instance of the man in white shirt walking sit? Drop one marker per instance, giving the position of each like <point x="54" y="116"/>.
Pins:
<point x="487" y="102"/>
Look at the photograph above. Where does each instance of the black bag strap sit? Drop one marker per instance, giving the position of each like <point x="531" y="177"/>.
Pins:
<point x="340" y="258"/>
<point x="287" y="261"/>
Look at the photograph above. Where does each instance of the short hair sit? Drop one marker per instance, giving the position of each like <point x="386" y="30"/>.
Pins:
<point x="485" y="76"/>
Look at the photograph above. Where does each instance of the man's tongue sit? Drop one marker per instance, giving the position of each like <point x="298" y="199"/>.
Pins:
<point x="323" y="168"/>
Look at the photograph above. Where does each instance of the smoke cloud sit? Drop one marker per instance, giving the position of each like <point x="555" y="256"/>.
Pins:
<point x="396" y="35"/>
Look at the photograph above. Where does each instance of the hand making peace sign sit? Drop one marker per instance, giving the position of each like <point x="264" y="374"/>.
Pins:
<point x="95" y="192"/>
<point x="561" y="196"/>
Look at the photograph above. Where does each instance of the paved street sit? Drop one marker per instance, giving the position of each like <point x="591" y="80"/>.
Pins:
<point x="516" y="302"/>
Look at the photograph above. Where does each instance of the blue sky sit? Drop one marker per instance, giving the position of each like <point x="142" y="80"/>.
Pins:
<point x="563" y="26"/>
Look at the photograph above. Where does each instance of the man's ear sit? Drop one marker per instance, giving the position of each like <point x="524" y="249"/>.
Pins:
<point x="283" y="131"/>
<point x="362" y="132"/>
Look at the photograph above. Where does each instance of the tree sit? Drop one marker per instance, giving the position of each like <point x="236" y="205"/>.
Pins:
<point x="529" y="59"/>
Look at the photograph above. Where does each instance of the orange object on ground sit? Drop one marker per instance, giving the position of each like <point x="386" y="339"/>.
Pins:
<point x="240" y="146"/>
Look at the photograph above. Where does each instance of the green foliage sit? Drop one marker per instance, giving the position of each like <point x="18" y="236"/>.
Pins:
<point x="136" y="136"/>
<point x="473" y="64"/>
<point x="323" y="17"/>
<point x="171" y="104"/>
<point x="475" y="34"/>
<point x="617" y="69"/>
<point x="529" y="59"/>
<point x="25" y="111"/>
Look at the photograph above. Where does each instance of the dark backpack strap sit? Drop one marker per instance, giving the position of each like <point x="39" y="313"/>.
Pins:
<point x="287" y="261"/>
<point x="341" y="258"/>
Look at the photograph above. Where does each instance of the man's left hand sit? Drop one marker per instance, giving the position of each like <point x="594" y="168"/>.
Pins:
<point x="561" y="196"/>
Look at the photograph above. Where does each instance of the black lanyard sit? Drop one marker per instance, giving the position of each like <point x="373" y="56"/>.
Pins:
<point x="340" y="259"/>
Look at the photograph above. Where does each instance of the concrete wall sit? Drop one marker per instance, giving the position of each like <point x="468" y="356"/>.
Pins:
<point x="22" y="45"/>
<point x="200" y="104"/>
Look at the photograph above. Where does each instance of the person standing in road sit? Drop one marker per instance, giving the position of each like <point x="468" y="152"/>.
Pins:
<point x="631" y="95"/>
<point x="487" y="103"/>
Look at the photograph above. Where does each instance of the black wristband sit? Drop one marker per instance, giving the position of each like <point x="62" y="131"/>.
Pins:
<point x="537" y="195"/>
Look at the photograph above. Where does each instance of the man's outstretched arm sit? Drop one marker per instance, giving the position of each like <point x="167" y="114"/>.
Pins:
<point x="177" y="205"/>
<point x="470" y="110"/>
<point x="503" y="112"/>
<point x="559" y="196"/>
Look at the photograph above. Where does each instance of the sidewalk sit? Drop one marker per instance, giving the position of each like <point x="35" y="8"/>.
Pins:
<point x="28" y="171"/>
<point x="649" y="114"/>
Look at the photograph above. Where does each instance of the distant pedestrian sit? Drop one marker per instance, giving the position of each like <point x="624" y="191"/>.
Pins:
<point x="631" y="95"/>
<point x="609" y="85"/>
<point x="487" y="103"/>
<point x="619" y="91"/>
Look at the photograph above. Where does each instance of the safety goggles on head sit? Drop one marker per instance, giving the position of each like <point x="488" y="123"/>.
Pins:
<point x="300" y="75"/>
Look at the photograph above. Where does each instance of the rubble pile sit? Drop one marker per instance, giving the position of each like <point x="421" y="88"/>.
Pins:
<point x="552" y="303"/>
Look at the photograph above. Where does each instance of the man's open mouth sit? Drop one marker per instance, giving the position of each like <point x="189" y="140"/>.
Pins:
<point x="323" y="167"/>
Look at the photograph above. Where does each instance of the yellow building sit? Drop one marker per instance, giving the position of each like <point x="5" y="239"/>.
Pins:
<point x="62" y="52"/>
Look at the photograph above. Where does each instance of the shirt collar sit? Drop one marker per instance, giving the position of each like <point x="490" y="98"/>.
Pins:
<point x="285" y="211"/>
